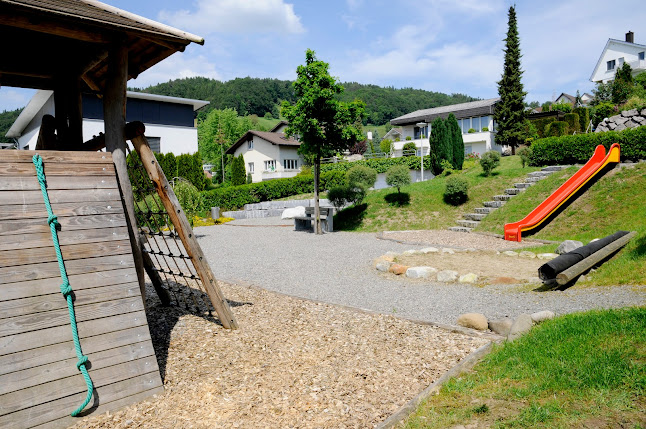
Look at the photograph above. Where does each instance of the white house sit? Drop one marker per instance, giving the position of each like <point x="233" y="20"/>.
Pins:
<point x="571" y="99"/>
<point x="268" y="154"/>
<point x="170" y="121"/>
<point x="615" y="54"/>
<point x="476" y="116"/>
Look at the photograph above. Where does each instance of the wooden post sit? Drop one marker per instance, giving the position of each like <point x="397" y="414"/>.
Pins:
<point x="114" y="115"/>
<point x="135" y="133"/>
<point x="75" y="112"/>
<point x="582" y="266"/>
<point x="60" y="114"/>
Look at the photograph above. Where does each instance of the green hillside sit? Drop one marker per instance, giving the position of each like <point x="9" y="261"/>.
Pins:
<point x="7" y="118"/>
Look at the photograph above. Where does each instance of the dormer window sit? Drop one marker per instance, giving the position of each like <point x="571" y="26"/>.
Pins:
<point x="611" y="64"/>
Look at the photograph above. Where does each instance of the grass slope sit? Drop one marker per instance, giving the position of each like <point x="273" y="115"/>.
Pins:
<point x="426" y="208"/>
<point x="613" y="203"/>
<point x="579" y="370"/>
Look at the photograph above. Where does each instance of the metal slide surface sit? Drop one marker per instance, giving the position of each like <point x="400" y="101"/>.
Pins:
<point x="596" y="164"/>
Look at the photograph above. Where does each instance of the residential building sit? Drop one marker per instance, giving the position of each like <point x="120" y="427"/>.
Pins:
<point x="475" y="119"/>
<point x="615" y="54"/>
<point x="170" y="121"/>
<point x="268" y="154"/>
<point x="571" y="99"/>
<point x="394" y="134"/>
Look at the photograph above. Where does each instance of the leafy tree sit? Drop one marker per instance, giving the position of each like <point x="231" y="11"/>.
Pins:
<point x="602" y="93"/>
<point x="361" y="176"/>
<point x="533" y="104"/>
<point x="398" y="176"/>
<point x="457" y="143"/>
<point x="563" y="107"/>
<point x="510" y="111"/>
<point x="359" y="148"/>
<point x="489" y="161"/>
<point x="622" y="86"/>
<point x="525" y="154"/>
<point x="440" y="145"/>
<point x="238" y="171"/>
<point x="325" y="124"/>
<point x="386" y="145"/>
<point x="546" y="107"/>
<point x="7" y="118"/>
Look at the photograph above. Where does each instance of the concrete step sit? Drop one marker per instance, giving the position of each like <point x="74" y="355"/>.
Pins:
<point x="494" y="204"/>
<point x="277" y="205"/>
<point x="554" y="168"/>
<point x="485" y="210"/>
<point x="534" y="179"/>
<point x="503" y="197"/>
<point x="539" y="173"/>
<point x="460" y="229"/>
<point x="253" y="214"/>
<point x="468" y="223"/>
<point x="523" y="185"/>
<point x="475" y="216"/>
<point x="514" y="191"/>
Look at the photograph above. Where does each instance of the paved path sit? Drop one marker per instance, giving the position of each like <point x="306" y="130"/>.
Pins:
<point x="337" y="268"/>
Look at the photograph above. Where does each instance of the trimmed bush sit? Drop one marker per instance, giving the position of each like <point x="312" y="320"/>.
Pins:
<point x="584" y="117"/>
<point x="234" y="197"/>
<point x="580" y="147"/>
<point x="456" y="191"/>
<point x="542" y="125"/>
<point x="398" y="176"/>
<point x="573" y="124"/>
<point x="489" y="161"/>
<point x="386" y="145"/>
<point x="340" y="196"/>
<point x="471" y="130"/>
<point x="361" y="176"/>
<point x="556" y="128"/>
<point x="381" y="165"/>
<point x="409" y="138"/>
<point x="525" y="153"/>
<point x="485" y="129"/>
<point x="238" y="171"/>
<point x="408" y="147"/>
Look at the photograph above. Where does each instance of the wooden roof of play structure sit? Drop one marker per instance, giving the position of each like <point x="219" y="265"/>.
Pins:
<point x="43" y="39"/>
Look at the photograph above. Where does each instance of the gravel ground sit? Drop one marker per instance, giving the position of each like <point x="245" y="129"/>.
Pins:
<point x="337" y="268"/>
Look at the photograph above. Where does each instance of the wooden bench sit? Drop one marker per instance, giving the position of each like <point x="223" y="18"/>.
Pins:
<point x="306" y="223"/>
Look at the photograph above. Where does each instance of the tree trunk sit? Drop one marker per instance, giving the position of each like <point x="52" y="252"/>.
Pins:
<point x="513" y="149"/>
<point x="317" y="210"/>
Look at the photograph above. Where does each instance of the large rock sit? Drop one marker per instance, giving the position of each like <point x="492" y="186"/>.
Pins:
<point x="420" y="272"/>
<point x="639" y="119"/>
<point x="473" y="320"/>
<point x="430" y="250"/>
<point x="501" y="326"/>
<point x="546" y="256"/>
<point x="629" y="113"/>
<point x="527" y="254"/>
<point x="522" y="324"/>
<point x="568" y="246"/>
<point x="398" y="269"/>
<point x="541" y="316"/>
<point x="447" y="276"/>
<point x="293" y="212"/>
<point x="620" y="127"/>
<point x="510" y="253"/>
<point x="468" y="278"/>
<point x="382" y="265"/>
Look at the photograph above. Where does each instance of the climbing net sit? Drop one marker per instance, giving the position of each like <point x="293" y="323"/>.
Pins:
<point x="168" y="264"/>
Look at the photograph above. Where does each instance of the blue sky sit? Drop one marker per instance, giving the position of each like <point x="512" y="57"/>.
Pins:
<point x="439" y="45"/>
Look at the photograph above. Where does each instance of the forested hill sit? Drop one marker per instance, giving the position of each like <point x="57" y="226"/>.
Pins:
<point x="260" y="96"/>
<point x="7" y="118"/>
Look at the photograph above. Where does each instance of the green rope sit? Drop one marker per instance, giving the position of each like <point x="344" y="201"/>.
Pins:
<point x="66" y="289"/>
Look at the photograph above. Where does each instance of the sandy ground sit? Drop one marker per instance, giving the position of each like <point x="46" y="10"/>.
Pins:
<point x="292" y="364"/>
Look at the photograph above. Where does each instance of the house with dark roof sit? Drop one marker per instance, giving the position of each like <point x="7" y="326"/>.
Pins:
<point x="615" y="54"/>
<point x="475" y="119"/>
<point x="571" y="99"/>
<point x="268" y="154"/>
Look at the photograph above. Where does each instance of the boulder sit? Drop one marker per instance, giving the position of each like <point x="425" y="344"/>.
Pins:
<point x="473" y="320"/>
<point x="510" y="253"/>
<point x="568" y="246"/>
<point x="501" y="326"/>
<point x="631" y="124"/>
<point x="420" y="272"/>
<point x="546" y="255"/>
<point x="629" y="113"/>
<point x="447" y="250"/>
<point x="398" y="269"/>
<point x="527" y="254"/>
<point x="410" y="252"/>
<point x="611" y="125"/>
<point x="620" y="127"/>
<point x="522" y="324"/>
<point x="447" y="276"/>
<point x="291" y="213"/>
<point x="643" y="112"/>
<point x="639" y="119"/>
<point x="383" y="266"/>
<point x="430" y="250"/>
<point x="541" y="316"/>
<point x="468" y="278"/>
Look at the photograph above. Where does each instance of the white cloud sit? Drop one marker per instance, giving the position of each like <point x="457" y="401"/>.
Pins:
<point x="14" y="98"/>
<point x="354" y="4"/>
<point x="236" y="16"/>
<point x="177" y="66"/>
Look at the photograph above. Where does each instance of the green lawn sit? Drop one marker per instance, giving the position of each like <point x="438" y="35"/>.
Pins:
<point x="579" y="370"/>
<point x="426" y="208"/>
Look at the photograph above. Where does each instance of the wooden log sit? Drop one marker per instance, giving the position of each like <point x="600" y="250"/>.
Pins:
<point x="30" y="226"/>
<point x="27" y="183"/>
<point x="58" y="195"/>
<point x="39" y="211"/>
<point x="26" y="169"/>
<point x="579" y="268"/>
<point x="53" y="156"/>
<point x="81" y="236"/>
<point x="114" y="114"/>
<point x="13" y="258"/>
<point x="182" y="226"/>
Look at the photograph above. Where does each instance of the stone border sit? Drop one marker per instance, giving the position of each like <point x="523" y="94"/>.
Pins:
<point x="380" y="236"/>
<point x="409" y="408"/>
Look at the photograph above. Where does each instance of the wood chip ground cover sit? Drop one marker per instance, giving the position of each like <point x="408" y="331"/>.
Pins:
<point x="293" y="364"/>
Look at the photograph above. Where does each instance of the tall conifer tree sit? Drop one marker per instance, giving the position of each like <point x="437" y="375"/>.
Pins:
<point x="457" y="143"/>
<point x="510" y="110"/>
<point x="440" y="144"/>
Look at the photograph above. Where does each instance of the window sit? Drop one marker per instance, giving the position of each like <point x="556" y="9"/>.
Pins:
<point x="250" y="144"/>
<point x="485" y="122"/>
<point x="621" y="61"/>
<point x="468" y="149"/>
<point x="251" y="167"/>
<point x="611" y="64"/>
<point x="418" y="132"/>
<point x="475" y="124"/>
<point x="290" y="164"/>
<point x="270" y="165"/>
<point x="154" y="143"/>
<point x="641" y="56"/>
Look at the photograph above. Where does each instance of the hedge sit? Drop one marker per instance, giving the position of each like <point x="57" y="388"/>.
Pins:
<point x="541" y="124"/>
<point x="584" y="117"/>
<point x="381" y="165"/>
<point x="579" y="148"/>
<point x="556" y="129"/>
<point x="573" y="124"/>
<point x="235" y="197"/>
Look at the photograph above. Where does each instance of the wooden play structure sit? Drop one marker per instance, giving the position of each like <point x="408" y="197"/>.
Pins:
<point x="107" y="239"/>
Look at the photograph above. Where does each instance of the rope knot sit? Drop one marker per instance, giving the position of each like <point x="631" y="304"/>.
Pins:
<point x="66" y="289"/>
<point x="82" y="361"/>
<point x="52" y="219"/>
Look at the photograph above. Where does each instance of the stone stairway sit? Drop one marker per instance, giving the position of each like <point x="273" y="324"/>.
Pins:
<point x="471" y="220"/>
<point x="270" y="208"/>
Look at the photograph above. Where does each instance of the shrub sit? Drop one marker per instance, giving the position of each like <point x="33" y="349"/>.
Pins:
<point x="408" y="138"/>
<point x="525" y="153"/>
<point x="341" y="196"/>
<point x="573" y="124"/>
<point x="602" y="111"/>
<point x="238" y="171"/>
<point x="398" y="176"/>
<point x="381" y="165"/>
<point x="471" y="130"/>
<point x="541" y="125"/>
<point x="189" y="167"/>
<point x="447" y="168"/>
<point x="489" y="161"/>
<point x="409" y="149"/>
<point x="456" y="191"/>
<point x="386" y="145"/>
<point x="361" y="176"/>
<point x="580" y="147"/>
<point x="584" y="117"/>
<point x="563" y="107"/>
<point x="249" y="178"/>
<point x="189" y="198"/>
<point x="359" y="148"/>
<point x="556" y="128"/>
<point x="485" y="129"/>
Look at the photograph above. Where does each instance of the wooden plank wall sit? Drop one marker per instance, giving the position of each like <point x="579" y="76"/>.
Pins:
<point x="39" y="382"/>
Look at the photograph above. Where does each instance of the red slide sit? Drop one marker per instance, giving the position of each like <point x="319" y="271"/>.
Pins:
<point x="533" y="220"/>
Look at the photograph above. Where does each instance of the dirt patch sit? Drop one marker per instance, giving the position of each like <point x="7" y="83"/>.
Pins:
<point x="461" y="240"/>
<point x="292" y="363"/>
<point x="489" y="266"/>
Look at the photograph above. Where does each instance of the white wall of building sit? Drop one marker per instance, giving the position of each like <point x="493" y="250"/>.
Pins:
<point x="265" y="151"/>
<point x="619" y="52"/>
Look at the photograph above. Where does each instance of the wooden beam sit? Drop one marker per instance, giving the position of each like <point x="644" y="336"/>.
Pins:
<point x="44" y="24"/>
<point x="75" y="112"/>
<point x="114" y="114"/>
<point x="182" y="227"/>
